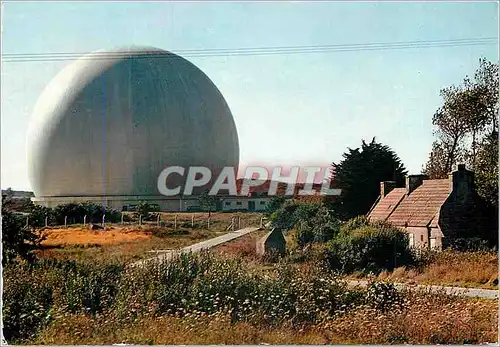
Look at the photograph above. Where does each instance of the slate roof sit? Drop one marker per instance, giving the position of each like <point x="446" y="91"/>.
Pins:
<point x="418" y="209"/>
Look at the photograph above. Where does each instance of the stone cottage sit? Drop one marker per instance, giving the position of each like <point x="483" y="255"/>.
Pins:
<point x="434" y="212"/>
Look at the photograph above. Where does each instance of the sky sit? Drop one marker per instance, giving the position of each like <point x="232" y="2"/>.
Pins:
<point x="289" y="109"/>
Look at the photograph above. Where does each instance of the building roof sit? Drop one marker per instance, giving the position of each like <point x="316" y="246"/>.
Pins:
<point x="386" y="206"/>
<point x="417" y="209"/>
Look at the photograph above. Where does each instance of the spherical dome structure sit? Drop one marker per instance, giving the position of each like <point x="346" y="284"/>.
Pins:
<point x="111" y="121"/>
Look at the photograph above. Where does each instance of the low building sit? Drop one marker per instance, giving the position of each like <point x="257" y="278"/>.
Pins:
<point x="245" y="203"/>
<point x="434" y="212"/>
<point x="273" y="242"/>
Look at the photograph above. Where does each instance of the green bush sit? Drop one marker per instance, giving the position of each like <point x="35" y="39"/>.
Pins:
<point x="27" y="303"/>
<point x="76" y="212"/>
<point x="316" y="224"/>
<point x="17" y="239"/>
<point x="304" y="236"/>
<point x="274" y="204"/>
<point x="353" y="224"/>
<point x="284" y="218"/>
<point x="473" y="244"/>
<point x="370" y="249"/>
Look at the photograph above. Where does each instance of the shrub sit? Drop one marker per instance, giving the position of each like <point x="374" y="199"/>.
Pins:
<point x="75" y="213"/>
<point x="325" y="225"/>
<point x="274" y="204"/>
<point x="17" y="239"/>
<point x="473" y="244"/>
<point x="26" y="303"/>
<point x="353" y="224"/>
<point x="304" y="236"/>
<point x="370" y="248"/>
<point x="284" y="217"/>
<point x="144" y="210"/>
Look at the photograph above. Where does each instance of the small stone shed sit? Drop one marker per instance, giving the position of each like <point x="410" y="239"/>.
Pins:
<point x="434" y="212"/>
<point x="274" y="241"/>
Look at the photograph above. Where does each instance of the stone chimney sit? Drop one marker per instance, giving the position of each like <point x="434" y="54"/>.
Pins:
<point x="462" y="180"/>
<point x="386" y="187"/>
<point x="413" y="182"/>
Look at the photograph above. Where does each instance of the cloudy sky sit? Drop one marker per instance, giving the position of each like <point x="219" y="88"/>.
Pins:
<point x="288" y="108"/>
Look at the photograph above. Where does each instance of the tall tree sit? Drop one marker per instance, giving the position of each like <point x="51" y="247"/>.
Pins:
<point x="435" y="167"/>
<point x="359" y="175"/>
<point x="486" y="174"/>
<point x="469" y="113"/>
<point x="467" y="130"/>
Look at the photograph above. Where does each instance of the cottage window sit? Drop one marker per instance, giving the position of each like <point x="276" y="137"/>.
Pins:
<point x="422" y="238"/>
<point x="262" y="202"/>
<point x="228" y="203"/>
<point x="238" y="203"/>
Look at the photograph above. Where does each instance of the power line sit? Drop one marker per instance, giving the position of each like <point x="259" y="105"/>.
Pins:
<point x="250" y="51"/>
<point x="487" y="39"/>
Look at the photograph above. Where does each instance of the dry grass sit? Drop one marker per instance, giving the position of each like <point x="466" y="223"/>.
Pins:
<point x="465" y="269"/>
<point x="243" y="247"/>
<point x="118" y="244"/>
<point x="174" y="331"/>
<point x="85" y="236"/>
<point x="129" y="242"/>
<point x="427" y="319"/>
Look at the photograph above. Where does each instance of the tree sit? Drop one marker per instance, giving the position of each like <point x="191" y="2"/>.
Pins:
<point x="359" y="175"/>
<point x="18" y="240"/>
<point x="435" y="167"/>
<point x="207" y="201"/>
<point x="469" y="114"/>
<point x="486" y="174"/>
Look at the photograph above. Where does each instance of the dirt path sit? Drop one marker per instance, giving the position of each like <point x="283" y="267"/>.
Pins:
<point x="197" y="247"/>
<point x="459" y="291"/>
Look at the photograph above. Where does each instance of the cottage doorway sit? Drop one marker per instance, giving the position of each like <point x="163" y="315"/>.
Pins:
<point x="251" y="206"/>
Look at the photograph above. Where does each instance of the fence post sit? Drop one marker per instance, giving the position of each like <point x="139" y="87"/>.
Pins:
<point x="208" y="223"/>
<point x="140" y="219"/>
<point x="65" y="221"/>
<point x="104" y="221"/>
<point x="122" y="219"/>
<point x="239" y="222"/>
<point x="175" y="222"/>
<point x="192" y="220"/>
<point x="158" y="220"/>
<point x="232" y="223"/>
<point x="46" y="221"/>
<point x="261" y="222"/>
<point x="85" y="220"/>
<point x="27" y="222"/>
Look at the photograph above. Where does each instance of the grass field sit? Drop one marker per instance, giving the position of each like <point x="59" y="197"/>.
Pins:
<point x="129" y="242"/>
<point x="427" y="320"/>
<point x="448" y="268"/>
<point x="420" y="318"/>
